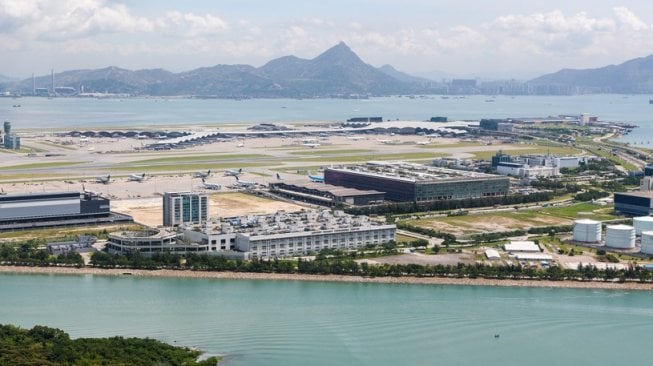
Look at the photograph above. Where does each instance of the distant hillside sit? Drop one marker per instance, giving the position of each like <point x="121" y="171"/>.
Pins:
<point x="633" y="76"/>
<point x="337" y="72"/>
<point x="4" y="78"/>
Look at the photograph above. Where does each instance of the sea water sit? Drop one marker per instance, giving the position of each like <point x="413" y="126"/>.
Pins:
<point x="324" y="323"/>
<point x="90" y="112"/>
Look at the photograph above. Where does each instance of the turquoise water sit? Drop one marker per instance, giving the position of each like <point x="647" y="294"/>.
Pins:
<point x="76" y="112"/>
<point x="308" y="323"/>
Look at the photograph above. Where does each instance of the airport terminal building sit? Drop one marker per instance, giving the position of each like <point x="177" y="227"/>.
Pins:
<point x="416" y="182"/>
<point x="47" y="209"/>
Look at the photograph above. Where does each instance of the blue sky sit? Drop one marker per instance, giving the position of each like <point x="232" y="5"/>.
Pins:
<point x="500" y="38"/>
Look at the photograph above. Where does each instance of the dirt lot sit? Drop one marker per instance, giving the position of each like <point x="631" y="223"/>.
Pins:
<point x="148" y="211"/>
<point x="423" y="259"/>
<point x="477" y="224"/>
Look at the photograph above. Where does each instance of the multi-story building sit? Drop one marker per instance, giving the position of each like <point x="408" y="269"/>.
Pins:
<point x="634" y="203"/>
<point x="47" y="209"/>
<point x="415" y="182"/>
<point x="150" y="241"/>
<point x="288" y="234"/>
<point x="261" y="236"/>
<point x="184" y="208"/>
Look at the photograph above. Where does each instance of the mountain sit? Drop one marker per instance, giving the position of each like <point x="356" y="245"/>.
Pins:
<point x="633" y="76"/>
<point x="4" y="78"/>
<point x="402" y="76"/>
<point x="337" y="72"/>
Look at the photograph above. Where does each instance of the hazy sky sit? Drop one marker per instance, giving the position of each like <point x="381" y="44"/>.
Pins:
<point x="520" y="38"/>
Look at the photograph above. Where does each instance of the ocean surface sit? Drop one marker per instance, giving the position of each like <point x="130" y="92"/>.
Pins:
<point x="320" y="323"/>
<point x="89" y="112"/>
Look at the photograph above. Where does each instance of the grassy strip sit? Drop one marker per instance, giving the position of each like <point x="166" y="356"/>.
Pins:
<point x="435" y="145"/>
<point x="348" y="158"/>
<point x="54" y="164"/>
<point x="615" y="159"/>
<point x="194" y="158"/>
<point x="189" y="167"/>
<point x="330" y="152"/>
<point x="557" y="150"/>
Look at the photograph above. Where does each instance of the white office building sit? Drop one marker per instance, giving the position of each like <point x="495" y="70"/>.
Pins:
<point x="184" y="208"/>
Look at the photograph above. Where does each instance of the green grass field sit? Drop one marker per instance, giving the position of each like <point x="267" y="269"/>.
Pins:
<point x="200" y="158"/>
<point x="178" y="168"/>
<point x="366" y="157"/>
<point x="330" y="152"/>
<point x="54" y="164"/>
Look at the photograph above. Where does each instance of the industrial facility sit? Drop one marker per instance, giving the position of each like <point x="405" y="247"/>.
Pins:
<point x="587" y="231"/>
<point x="403" y="181"/>
<point x="634" y="203"/>
<point x="261" y="236"/>
<point x="326" y="194"/>
<point x="47" y="209"/>
<point x="620" y="236"/>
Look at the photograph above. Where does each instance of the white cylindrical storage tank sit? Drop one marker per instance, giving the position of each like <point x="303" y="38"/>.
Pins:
<point x="587" y="231"/>
<point x="620" y="236"/>
<point x="647" y="242"/>
<point x="644" y="223"/>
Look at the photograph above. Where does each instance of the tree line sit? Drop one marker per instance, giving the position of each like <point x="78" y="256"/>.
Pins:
<point x="336" y="262"/>
<point x="50" y="346"/>
<point x="444" y="205"/>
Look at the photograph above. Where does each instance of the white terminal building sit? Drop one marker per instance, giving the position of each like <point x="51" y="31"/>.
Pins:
<point x="282" y="234"/>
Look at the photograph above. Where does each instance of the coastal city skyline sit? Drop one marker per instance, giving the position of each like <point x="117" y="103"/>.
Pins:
<point x="514" y="40"/>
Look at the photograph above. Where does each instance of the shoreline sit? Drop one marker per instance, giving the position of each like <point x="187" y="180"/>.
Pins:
<point x="168" y="273"/>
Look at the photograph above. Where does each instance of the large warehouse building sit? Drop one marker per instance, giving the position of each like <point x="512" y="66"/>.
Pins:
<point x="18" y="211"/>
<point x="326" y="194"/>
<point x="415" y="182"/>
<point x="634" y="203"/>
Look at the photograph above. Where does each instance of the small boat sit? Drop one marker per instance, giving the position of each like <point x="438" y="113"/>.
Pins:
<point x="650" y="101"/>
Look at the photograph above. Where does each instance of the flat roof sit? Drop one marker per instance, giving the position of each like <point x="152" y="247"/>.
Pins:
<point x="413" y="173"/>
<point x="521" y="246"/>
<point x="335" y="190"/>
<point x="646" y="194"/>
<point x="38" y="195"/>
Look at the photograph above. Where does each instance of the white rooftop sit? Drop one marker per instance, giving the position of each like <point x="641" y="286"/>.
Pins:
<point x="492" y="254"/>
<point x="534" y="256"/>
<point x="521" y="246"/>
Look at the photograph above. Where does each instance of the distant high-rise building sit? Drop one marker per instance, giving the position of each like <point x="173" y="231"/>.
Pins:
<point x="184" y="208"/>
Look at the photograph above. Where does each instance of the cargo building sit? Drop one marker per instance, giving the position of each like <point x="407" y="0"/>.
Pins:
<point x="415" y="182"/>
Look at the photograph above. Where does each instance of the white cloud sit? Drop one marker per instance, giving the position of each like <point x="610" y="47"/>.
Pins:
<point x="628" y="18"/>
<point x="104" y="28"/>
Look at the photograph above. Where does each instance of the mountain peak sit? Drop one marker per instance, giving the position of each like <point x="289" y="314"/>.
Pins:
<point x="340" y="53"/>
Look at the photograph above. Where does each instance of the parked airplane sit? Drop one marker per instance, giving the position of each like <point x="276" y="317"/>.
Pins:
<point x="202" y="175"/>
<point x="233" y="173"/>
<point x="312" y="146"/>
<point x="244" y="183"/>
<point x="316" y="178"/>
<point x="137" y="178"/>
<point x="241" y="144"/>
<point x="384" y="141"/>
<point x="423" y="142"/>
<point x="209" y="185"/>
<point x="103" y="179"/>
